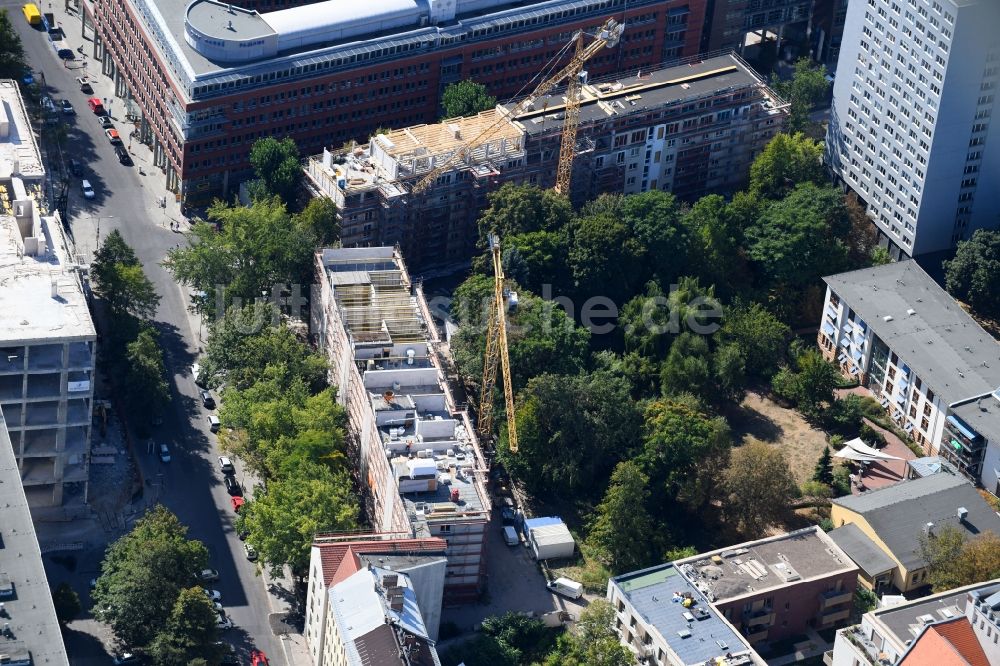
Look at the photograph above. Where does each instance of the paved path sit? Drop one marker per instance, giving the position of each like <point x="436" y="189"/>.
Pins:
<point x="190" y="485"/>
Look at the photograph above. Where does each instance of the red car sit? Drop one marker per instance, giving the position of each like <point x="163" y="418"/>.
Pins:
<point x="95" y="105"/>
<point x="237" y="503"/>
<point x="258" y="658"/>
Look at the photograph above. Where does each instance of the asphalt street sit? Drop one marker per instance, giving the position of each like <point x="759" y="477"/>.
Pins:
<point x="191" y="484"/>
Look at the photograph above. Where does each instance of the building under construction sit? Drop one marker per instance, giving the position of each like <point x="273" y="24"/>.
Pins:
<point x="418" y="461"/>
<point x="692" y="129"/>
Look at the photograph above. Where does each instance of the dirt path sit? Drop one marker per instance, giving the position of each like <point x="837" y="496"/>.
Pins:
<point x="760" y="419"/>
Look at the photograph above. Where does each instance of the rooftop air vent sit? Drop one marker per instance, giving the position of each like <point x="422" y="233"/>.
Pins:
<point x="887" y="318"/>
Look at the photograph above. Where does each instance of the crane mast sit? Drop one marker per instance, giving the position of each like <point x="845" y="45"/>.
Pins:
<point x="496" y="355"/>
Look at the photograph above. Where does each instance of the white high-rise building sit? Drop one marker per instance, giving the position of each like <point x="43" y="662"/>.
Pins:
<point x="915" y="92"/>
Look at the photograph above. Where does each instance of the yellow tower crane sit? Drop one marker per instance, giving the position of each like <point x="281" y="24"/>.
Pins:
<point x="606" y="37"/>
<point x="496" y="354"/>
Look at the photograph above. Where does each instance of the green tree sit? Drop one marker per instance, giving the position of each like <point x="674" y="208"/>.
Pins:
<point x="807" y="88"/>
<point x="817" y="379"/>
<point x="716" y="256"/>
<point x="823" y="473"/>
<point x="320" y="218"/>
<point x="142" y="575"/>
<point x="953" y="560"/>
<point x="688" y="367"/>
<point x="566" y="447"/>
<point x="759" y="486"/>
<point x="600" y="249"/>
<point x="147" y="392"/>
<point x="278" y="169"/>
<point x="282" y="522"/>
<point x="759" y="336"/>
<point x="543" y="257"/>
<point x="973" y="275"/>
<point x="117" y="278"/>
<point x="259" y="246"/>
<point x="519" y="209"/>
<point x="12" y="62"/>
<point x="190" y="632"/>
<point x="248" y="340"/>
<point x="596" y="643"/>
<point x="622" y="529"/>
<point x="787" y="161"/>
<point x="67" y="603"/>
<point x="466" y="98"/>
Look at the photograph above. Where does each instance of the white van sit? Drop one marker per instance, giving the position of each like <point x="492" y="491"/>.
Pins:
<point x="567" y="588"/>
<point x="213" y="423"/>
<point x="510" y="536"/>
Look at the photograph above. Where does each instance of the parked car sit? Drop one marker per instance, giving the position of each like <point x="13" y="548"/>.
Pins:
<point x="164" y="453"/>
<point x="237" y="503"/>
<point x="223" y="622"/>
<point x="207" y="575"/>
<point x="258" y="658"/>
<point x="75" y="167"/>
<point x="67" y="108"/>
<point x="123" y="155"/>
<point x="96" y="106"/>
<point x="207" y="400"/>
<point x="510" y="536"/>
<point x="85" y="86"/>
<point x="213" y="423"/>
<point x="199" y="380"/>
<point x="226" y="465"/>
<point x="48" y="104"/>
<point x="105" y="122"/>
<point x="233" y="486"/>
<point x="87" y="189"/>
<point x="251" y="552"/>
<point x="214" y="595"/>
<point x="112" y="135"/>
<point x="125" y="658"/>
<point x="242" y="533"/>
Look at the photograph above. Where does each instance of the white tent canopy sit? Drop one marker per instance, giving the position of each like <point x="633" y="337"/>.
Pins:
<point x="858" y="450"/>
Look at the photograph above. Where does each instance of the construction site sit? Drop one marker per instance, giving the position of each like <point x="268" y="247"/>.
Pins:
<point x="692" y="128"/>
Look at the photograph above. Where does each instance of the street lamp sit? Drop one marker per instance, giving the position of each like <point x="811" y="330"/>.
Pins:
<point x="97" y="244"/>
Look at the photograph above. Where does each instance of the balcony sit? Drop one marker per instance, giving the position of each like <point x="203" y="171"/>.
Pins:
<point x="759" y="618"/>
<point x="835" y="615"/>
<point x="757" y="634"/>
<point x="834" y="598"/>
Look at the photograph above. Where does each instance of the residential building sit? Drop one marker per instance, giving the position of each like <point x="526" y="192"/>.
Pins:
<point x="893" y="520"/>
<point x="47" y="338"/>
<point x="954" y="627"/>
<point x="420" y="468"/>
<point x="30" y="632"/>
<point x="206" y="79"/>
<point x="336" y="557"/>
<point x="828" y="20"/>
<point x="374" y="620"/>
<point x="748" y="595"/>
<point x="934" y="369"/>
<point x="909" y="128"/>
<point x="737" y="24"/>
<point x="690" y="129"/>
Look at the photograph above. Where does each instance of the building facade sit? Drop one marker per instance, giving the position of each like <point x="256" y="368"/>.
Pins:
<point x="205" y="79"/>
<point x="933" y="368"/>
<point x="689" y="129"/>
<point x="419" y="463"/>
<point x="47" y="338"/>
<point x="719" y="605"/>
<point x="910" y="125"/>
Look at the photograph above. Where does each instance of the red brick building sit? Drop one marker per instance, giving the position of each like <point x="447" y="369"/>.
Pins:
<point x="206" y="79"/>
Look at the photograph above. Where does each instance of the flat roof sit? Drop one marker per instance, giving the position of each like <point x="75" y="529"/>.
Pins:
<point x="774" y="562"/>
<point x="32" y="312"/>
<point x="19" y="152"/>
<point x="939" y="341"/>
<point x="907" y="620"/>
<point x="30" y="612"/>
<point x="656" y="595"/>
<point x="646" y="91"/>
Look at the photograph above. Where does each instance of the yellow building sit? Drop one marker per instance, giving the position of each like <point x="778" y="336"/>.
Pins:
<point x="896" y="519"/>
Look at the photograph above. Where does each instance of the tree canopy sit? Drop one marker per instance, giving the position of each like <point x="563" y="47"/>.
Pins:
<point x="955" y="561"/>
<point x="973" y="275"/>
<point x="118" y="279"/>
<point x="518" y="209"/>
<point x="466" y="98"/>
<point x="787" y="160"/>
<point x="190" y="632"/>
<point x="12" y="62"/>
<point x="278" y="169"/>
<point x="759" y="486"/>
<point x="806" y="89"/>
<point x="620" y="531"/>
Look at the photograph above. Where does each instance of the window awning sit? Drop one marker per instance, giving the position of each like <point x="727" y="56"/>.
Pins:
<point x="962" y="428"/>
<point x="846" y="342"/>
<point x="828" y="328"/>
<point x="901" y="398"/>
<point x="857" y="354"/>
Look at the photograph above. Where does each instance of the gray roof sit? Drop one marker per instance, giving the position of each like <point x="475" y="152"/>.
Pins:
<point x="29" y="610"/>
<point x="899" y="513"/>
<point x="940" y="342"/>
<point x="862" y="550"/>
<point x="983" y="416"/>
<point x="651" y="591"/>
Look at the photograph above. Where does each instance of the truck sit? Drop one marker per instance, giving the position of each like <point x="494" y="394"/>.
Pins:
<point x="59" y="44"/>
<point x="566" y="587"/>
<point x="31" y="14"/>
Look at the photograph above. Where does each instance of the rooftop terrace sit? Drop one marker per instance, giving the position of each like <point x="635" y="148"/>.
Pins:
<point x="753" y="567"/>
<point x="19" y="154"/>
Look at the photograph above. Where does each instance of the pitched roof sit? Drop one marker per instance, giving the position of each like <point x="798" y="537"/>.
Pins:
<point x="340" y="558"/>
<point x="951" y="642"/>
<point x="899" y="513"/>
<point x="865" y="552"/>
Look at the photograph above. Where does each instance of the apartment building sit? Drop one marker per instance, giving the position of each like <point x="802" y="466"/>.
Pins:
<point x="955" y="627"/>
<point x="909" y="128"/>
<point x="689" y="129"/>
<point x="733" y="24"/>
<point x="374" y="620"/>
<point x="47" y="338"/>
<point x="206" y="78"/>
<point x="890" y="522"/>
<point x="719" y="605"/>
<point x="933" y="368"/>
<point x="419" y="464"/>
<point x="31" y="633"/>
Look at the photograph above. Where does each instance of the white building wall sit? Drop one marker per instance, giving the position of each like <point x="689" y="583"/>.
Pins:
<point x="316" y="609"/>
